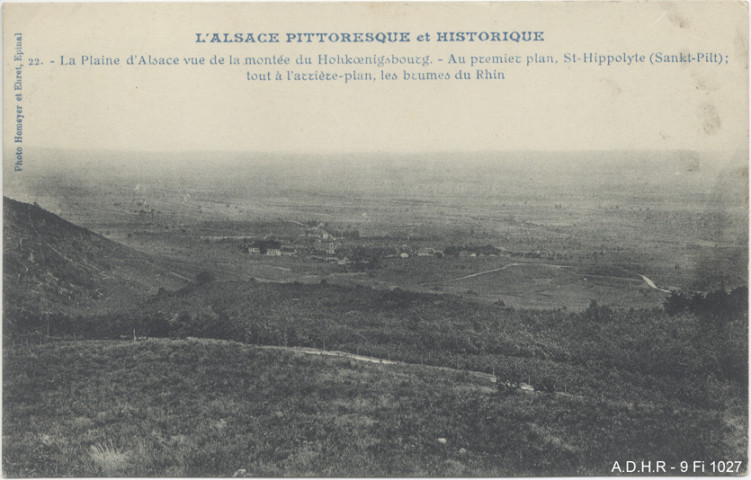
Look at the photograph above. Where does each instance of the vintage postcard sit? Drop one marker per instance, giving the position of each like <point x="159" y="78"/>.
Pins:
<point x="375" y="239"/>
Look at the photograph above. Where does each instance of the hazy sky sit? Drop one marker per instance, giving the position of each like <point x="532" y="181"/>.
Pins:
<point x="690" y="106"/>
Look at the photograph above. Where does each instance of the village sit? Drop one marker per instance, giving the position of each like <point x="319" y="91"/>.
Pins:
<point x="347" y="248"/>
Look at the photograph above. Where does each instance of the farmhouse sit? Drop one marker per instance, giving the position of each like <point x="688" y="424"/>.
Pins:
<point x="325" y="246"/>
<point x="318" y="233"/>
<point x="263" y="247"/>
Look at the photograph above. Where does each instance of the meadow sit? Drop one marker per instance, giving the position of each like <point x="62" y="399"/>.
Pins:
<point x="217" y="408"/>
<point x="573" y="391"/>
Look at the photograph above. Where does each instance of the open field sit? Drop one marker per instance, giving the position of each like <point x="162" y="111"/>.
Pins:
<point x="211" y="408"/>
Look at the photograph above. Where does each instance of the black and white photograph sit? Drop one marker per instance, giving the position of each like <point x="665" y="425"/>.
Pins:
<point x="375" y="239"/>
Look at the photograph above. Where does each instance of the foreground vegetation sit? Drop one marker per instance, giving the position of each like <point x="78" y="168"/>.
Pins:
<point x="216" y="408"/>
<point x="610" y="384"/>
<point x="634" y="355"/>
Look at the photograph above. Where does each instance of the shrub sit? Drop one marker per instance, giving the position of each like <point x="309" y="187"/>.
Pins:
<point x="204" y="277"/>
<point x="509" y="376"/>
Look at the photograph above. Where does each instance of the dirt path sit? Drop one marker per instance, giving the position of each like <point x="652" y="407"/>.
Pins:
<point x="178" y="276"/>
<point x="363" y="358"/>
<point x="646" y="279"/>
<point x="490" y="378"/>
<point x="337" y="353"/>
<point x="485" y="272"/>
<point x="551" y="265"/>
<point x="652" y="284"/>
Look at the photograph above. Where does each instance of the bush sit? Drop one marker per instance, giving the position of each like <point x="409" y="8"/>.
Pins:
<point x="544" y="381"/>
<point x="204" y="277"/>
<point x="509" y="376"/>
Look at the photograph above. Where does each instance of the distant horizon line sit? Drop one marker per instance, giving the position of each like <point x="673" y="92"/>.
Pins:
<point x="745" y="149"/>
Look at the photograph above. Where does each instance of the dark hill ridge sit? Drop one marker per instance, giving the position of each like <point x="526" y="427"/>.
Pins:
<point x="54" y="266"/>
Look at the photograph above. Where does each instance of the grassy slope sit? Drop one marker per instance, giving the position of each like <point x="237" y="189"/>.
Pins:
<point x="209" y="408"/>
<point x="52" y="265"/>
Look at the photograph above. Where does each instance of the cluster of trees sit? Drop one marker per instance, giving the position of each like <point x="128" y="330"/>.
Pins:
<point x="717" y="304"/>
<point x="368" y="257"/>
<point x="354" y="233"/>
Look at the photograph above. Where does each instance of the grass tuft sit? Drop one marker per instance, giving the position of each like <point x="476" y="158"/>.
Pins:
<point x="109" y="459"/>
